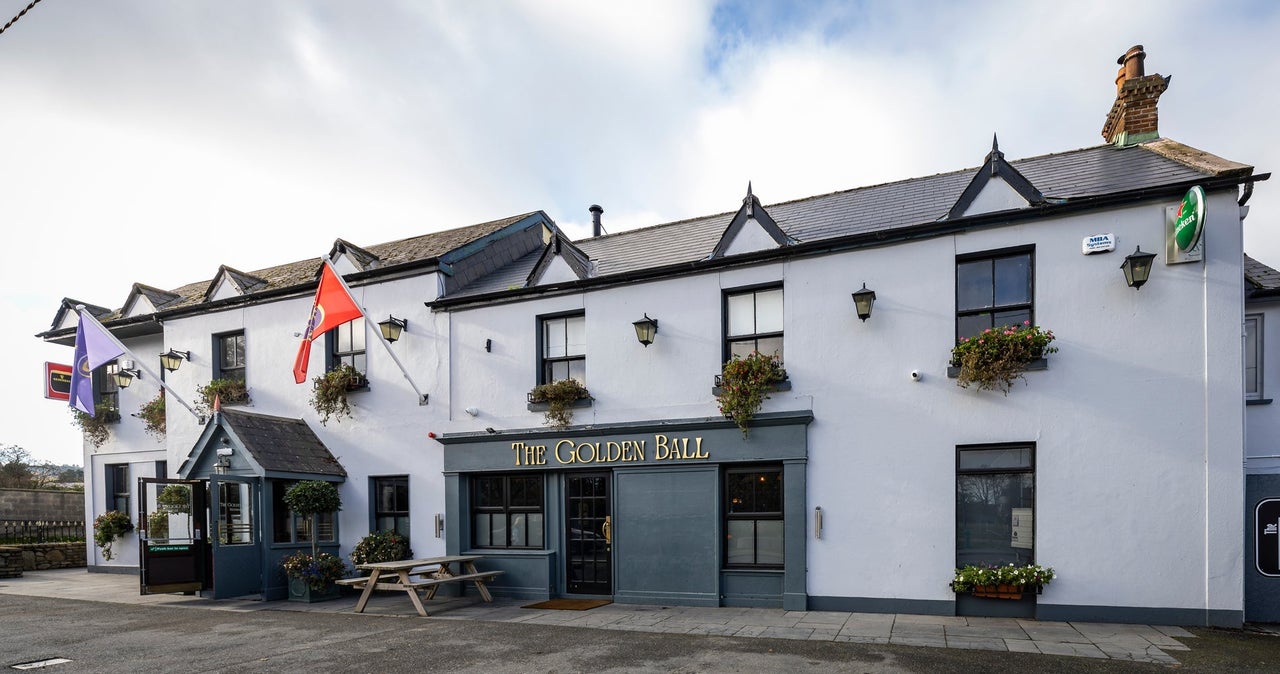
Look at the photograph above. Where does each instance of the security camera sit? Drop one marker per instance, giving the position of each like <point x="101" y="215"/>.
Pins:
<point x="915" y="375"/>
<point x="472" y="411"/>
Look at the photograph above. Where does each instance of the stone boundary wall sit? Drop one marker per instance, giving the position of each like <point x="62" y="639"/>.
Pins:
<point x="41" y="504"/>
<point x="14" y="559"/>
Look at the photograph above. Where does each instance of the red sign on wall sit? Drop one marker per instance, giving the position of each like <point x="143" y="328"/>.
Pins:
<point x="57" y="381"/>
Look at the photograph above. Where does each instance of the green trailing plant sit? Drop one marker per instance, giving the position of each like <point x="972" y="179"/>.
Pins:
<point x="229" y="391"/>
<point x="745" y="384"/>
<point x="1025" y="577"/>
<point x="329" y="392"/>
<point x="381" y="546"/>
<point x="559" y="396"/>
<point x="153" y="417"/>
<point x="310" y="498"/>
<point x="96" y="428"/>
<point x="996" y="358"/>
<point x="318" y="570"/>
<point x="108" y="528"/>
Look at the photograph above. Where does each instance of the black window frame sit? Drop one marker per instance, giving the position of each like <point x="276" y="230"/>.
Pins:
<point x="1020" y="470"/>
<point x="336" y="354"/>
<point x="508" y="511"/>
<point x="295" y="528"/>
<point x="397" y="515"/>
<point x="116" y="487"/>
<point x="106" y="391"/>
<point x="992" y="256"/>
<point x="754" y="516"/>
<point x="238" y="371"/>
<point x="1259" y="351"/>
<point x="546" y="363"/>
<point x="727" y="341"/>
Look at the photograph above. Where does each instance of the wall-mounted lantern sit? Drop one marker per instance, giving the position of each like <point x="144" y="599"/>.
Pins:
<point x="392" y="327"/>
<point x="863" y="300"/>
<point x="646" y="328"/>
<point x="173" y="360"/>
<point x="1137" y="267"/>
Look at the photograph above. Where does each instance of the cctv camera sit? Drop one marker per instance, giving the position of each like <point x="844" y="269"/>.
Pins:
<point x="915" y="375"/>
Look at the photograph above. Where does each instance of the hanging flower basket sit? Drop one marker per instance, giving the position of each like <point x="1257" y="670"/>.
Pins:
<point x="996" y="358"/>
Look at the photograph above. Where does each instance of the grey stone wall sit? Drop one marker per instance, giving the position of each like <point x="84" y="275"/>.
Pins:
<point x="14" y="559"/>
<point x="41" y="504"/>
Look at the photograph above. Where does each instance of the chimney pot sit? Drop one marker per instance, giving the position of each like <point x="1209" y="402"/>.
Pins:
<point x="1133" y="61"/>
<point x="596" y="227"/>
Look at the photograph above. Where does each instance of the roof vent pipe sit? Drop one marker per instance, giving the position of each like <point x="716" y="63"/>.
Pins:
<point x="596" y="228"/>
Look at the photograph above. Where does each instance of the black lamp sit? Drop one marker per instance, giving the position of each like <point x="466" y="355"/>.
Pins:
<point x="173" y="360"/>
<point x="1137" y="268"/>
<point x="646" y="328"/>
<point x="392" y="327"/>
<point x="124" y="377"/>
<point x="863" y="300"/>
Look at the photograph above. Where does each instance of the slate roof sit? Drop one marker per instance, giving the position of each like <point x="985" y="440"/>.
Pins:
<point x="1260" y="278"/>
<point x="303" y="272"/>
<point x="1062" y="178"/>
<point x="280" y="444"/>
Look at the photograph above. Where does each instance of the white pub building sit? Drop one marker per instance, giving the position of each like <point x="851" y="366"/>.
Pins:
<point x="864" y="481"/>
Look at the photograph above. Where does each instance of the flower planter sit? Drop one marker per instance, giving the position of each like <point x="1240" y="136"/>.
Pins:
<point x="300" y="590"/>
<point x="999" y="591"/>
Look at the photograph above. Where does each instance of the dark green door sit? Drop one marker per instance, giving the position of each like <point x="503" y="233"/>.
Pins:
<point x="234" y="507"/>
<point x="171" y="535"/>
<point x="588" y="534"/>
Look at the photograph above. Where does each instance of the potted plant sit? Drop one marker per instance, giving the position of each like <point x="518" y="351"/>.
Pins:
<point x="153" y="417"/>
<point x="312" y="576"/>
<point x="559" y="396"/>
<point x="95" y="427"/>
<point x="381" y="546"/>
<point x="997" y="357"/>
<point x="108" y="528"/>
<point x="744" y="385"/>
<point x="229" y="391"/>
<point x="329" y="391"/>
<point x="1001" y="582"/>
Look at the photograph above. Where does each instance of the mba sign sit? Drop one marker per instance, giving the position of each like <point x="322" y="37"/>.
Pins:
<point x="1184" y="227"/>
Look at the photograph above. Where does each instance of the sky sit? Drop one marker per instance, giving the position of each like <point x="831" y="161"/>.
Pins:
<point x="151" y="141"/>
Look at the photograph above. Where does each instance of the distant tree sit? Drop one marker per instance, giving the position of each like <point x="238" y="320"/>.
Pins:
<point x="70" y="474"/>
<point x="18" y="470"/>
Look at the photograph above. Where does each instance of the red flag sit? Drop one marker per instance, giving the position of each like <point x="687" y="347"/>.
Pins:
<point x="333" y="307"/>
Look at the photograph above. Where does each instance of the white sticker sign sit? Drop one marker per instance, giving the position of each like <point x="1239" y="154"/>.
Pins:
<point x="1098" y="243"/>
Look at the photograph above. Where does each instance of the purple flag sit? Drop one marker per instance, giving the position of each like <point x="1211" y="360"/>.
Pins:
<point x="94" y="348"/>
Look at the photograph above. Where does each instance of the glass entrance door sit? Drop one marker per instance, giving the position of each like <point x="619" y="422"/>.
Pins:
<point x="172" y="537"/>
<point x="588" y="534"/>
<point x="237" y="547"/>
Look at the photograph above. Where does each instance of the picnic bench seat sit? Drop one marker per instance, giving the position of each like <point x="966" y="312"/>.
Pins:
<point x="412" y="575"/>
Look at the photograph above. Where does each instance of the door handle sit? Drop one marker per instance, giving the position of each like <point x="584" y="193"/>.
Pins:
<point x="607" y="529"/>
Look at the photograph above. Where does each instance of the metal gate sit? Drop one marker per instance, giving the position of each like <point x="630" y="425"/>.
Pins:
<point x="173" y="540"/>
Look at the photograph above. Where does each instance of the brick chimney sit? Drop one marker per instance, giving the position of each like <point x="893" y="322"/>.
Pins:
<point x="1133" y="118"/>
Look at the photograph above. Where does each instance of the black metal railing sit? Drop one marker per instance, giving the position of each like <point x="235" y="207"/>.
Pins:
<point x="15" y="532"/>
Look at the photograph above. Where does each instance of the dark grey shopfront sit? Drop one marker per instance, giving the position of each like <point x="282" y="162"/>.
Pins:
<point x="635" y="512"/>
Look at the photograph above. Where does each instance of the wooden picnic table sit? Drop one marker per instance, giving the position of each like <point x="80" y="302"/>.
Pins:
<point x="414" y="574"/>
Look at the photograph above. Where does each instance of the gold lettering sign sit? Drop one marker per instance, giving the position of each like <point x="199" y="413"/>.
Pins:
<point x="571" y="453"/>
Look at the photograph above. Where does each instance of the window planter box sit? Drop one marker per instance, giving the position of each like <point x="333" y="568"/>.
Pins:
<point x="543" y="407"/>
<point x="784" y="385"/>
<point x="1037" y="364"/>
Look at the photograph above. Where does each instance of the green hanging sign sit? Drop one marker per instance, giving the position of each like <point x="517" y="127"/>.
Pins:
<point x="1189" y="223"/>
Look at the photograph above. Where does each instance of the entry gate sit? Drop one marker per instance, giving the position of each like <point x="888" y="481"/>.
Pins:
<point x="173" y="538"/>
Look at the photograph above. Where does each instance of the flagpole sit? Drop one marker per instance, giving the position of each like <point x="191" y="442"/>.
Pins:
<point x="138" y="362"/>
<point x="422" y="398"/>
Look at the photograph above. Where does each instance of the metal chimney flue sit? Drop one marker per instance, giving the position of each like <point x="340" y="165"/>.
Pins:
<point x="596" y="228"/>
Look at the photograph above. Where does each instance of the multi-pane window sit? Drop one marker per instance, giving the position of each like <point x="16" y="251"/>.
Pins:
<point x="753" y="322"/>
<point x="391" y="504"/>
<point x="993" y="291"/>
<point x="346" y="345"/>
<point x="995" y="504"/>
<point x="231" y="356"/>
<point x="290" y="527"/>
<point x="106" y="389"/>
<point x="117" y="486"/>
<point x="753" y="517"/>
<point x="507" y="511"/>
<point x="564" y="349"/>
<point x="1253" y="357"/>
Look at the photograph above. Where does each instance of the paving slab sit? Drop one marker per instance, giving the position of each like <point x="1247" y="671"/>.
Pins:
<point x="982" y="644"/>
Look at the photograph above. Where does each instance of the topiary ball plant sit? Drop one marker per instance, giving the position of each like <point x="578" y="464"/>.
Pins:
<point x="310" y="498"/>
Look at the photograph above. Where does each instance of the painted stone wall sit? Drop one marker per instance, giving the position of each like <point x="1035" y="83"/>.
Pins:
<point x="41" y="504"/>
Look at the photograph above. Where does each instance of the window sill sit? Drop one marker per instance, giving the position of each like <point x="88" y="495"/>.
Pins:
<point x="1037" y="364"/>
<point x="784" y="385"/>
<point x="577" y="404"/>
<point x="1257" y="401"/>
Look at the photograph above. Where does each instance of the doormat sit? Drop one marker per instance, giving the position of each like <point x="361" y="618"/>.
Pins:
<point x="570" y="604"/>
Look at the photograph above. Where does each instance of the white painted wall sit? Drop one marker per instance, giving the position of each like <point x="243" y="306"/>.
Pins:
<point x="1262" y="446"/>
